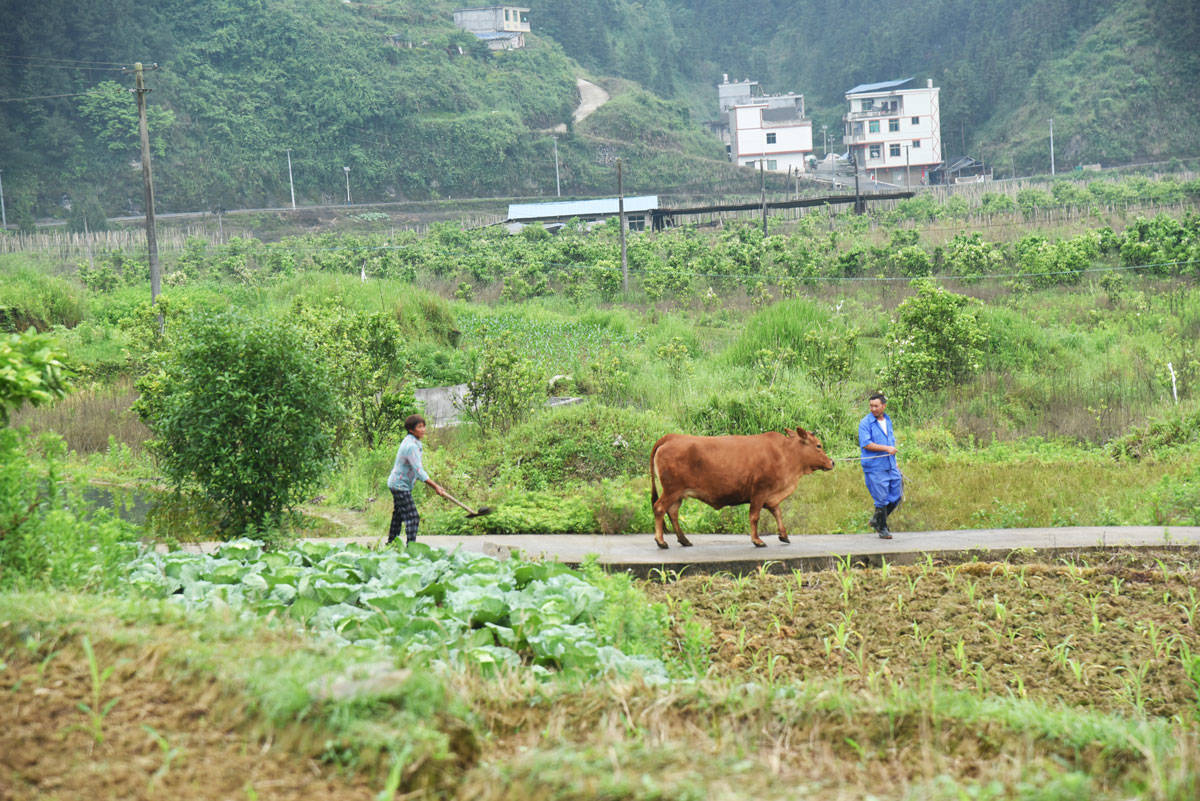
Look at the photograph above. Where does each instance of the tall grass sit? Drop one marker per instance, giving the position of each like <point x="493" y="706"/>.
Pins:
<point x="90" y="419"/>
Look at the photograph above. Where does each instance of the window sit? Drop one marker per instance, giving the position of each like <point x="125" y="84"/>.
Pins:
<point x="858" y="129"/>
<point x="635" y="222"/>
<point x="770" y="139"/>
<point x="867" y="105"/>
<point x="507" y="15"/>
<point x="893" y="150"/>
<point x="916" y="144"/>
<point x="525" y="17"/>
<point x="916" y="120"/>
<point x="874" y="151"/>
<point x="894" y="124"/>
<point x="772" y="164"/>
<point x="873" y="126"/>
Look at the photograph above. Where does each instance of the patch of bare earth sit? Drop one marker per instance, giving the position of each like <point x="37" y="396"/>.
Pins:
<point x="157" y="741"/>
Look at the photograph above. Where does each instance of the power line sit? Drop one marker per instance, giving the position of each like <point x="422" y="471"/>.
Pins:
<point x="75" y="62"/>
<point x="42" y="97"/>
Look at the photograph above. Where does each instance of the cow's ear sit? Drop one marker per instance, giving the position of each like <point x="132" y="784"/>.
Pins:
<point x="789" y="432"/>
<point x="800" y="432"/>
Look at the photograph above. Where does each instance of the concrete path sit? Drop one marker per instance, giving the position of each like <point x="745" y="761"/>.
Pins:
<point x="591" y="97"/>
<point x="637" y="553"/>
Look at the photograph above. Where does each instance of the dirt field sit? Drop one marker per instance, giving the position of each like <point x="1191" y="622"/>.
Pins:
<point x="158" y="741"/>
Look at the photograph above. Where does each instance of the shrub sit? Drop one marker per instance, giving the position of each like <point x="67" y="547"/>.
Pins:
<point x="365" y="363"/>
<point x="31" y="371"/>
<point x="934" y="341"/>
<point x="506" y="387"/>
<point x="242" y="411"/>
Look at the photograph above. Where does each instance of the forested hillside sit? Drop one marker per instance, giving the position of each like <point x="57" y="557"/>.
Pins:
<point x="1119" y="77"/>
<point x="242" y="82"/>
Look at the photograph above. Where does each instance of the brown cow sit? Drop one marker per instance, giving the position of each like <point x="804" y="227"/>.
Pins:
<point x="761" y="470"/>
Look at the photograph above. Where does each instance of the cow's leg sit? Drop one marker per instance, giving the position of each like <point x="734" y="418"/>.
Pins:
<point x="755" y="509"/>
<point x="659" y="511"/>
<point x="673" y="511"/>
<point x="783" y="537"/>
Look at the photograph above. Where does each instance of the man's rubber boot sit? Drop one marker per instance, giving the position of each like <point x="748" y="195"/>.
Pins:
<point x="879" y="523"/>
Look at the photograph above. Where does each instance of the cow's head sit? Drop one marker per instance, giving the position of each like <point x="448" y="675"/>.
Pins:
<point x="811" y="452"/>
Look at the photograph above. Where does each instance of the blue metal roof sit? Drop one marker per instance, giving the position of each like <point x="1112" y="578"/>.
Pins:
<point x="877" y="87"/>
<point x="566" y="209"/>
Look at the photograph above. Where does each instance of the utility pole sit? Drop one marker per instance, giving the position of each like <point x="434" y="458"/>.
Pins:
<point x="1052" y="146"/>
<point x="3" y="213"/>
<point x="907" y="174"/>
<point x="621" y="218"/>
<point x="762" y="188"/>
<point x="147" y="179"/>
<point x="557" y="185"/>
<point x="347" y="171"/>
<point x="859" y="206"/>
<point x="291" y="185"/>
<point x="825" y="133"/>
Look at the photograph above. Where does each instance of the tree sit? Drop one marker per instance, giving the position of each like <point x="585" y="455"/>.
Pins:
<point x="241" y="412"/>
<point x="935" y="340"/>
<point x="31" y="371"/>
<point x="506" y="388"/>
<point x="366" y="365"/>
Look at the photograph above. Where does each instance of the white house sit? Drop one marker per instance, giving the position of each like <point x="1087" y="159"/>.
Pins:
<point x="502" y="27"/>
<point x="894" y="132"/>
<point x="766" y="128"/>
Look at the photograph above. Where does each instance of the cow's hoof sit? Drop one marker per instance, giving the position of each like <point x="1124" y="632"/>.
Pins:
<point x="784" y="539"/>
<point x="661" y="544"/>
<point x="759" y="544"/>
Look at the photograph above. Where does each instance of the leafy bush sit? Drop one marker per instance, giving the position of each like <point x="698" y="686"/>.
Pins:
<point x="934" y="341"/>
<point x="242" y="411"/>
<point x="365" y="363"/>
<point x="31" y="371"/>
<point x="506" y="388"/>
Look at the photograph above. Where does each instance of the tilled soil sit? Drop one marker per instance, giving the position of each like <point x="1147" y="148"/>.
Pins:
<point x="157" y="741"/>
<point x="1113" y="635"/>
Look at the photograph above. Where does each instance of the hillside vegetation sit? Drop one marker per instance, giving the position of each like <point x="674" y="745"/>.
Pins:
<point x="241" y="83"/>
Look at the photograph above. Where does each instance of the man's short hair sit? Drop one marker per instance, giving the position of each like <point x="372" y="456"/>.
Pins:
<point x="412" y="421"/>
<point x="879" y="397"/>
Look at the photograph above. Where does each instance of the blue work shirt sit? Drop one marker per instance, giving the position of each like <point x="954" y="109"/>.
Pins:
<point x="868" y="432"/>
<point x="407" y="470"/>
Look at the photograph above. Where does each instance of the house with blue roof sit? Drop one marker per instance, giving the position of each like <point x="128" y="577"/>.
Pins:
<point x="894" y="130"/>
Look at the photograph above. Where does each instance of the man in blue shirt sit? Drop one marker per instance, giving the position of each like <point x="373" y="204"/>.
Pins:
<point x="405" y="472"/>
<point x="877" y="439"/>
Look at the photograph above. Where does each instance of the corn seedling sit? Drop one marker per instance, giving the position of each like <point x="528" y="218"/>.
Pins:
<point x="1133" y="685"/>
<point x="1117" y="583"/>
<point x="95" y="711"/>
<point x="999" y="609"/>
<point x="885" y="569"/>
<point x="169" y="755"/>
<point x="899" y="603"/>
<point x="1152" y="632"/>
<point x="1189" y="608"/>
<point x="921" y="639"/>
<point x="971" y="586"/>
<point x="1061" y="653"/>
<point x="960" y="653"/>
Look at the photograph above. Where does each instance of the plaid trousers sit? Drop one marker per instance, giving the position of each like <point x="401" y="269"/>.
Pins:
<point x="404" y="515"/>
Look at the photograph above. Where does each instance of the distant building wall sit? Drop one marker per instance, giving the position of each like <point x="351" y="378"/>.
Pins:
<point x="894" y="132"/>
<point x="491" y="19"/>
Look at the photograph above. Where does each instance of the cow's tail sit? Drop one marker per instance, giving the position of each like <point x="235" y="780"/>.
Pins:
<point x="653" y="486"/>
